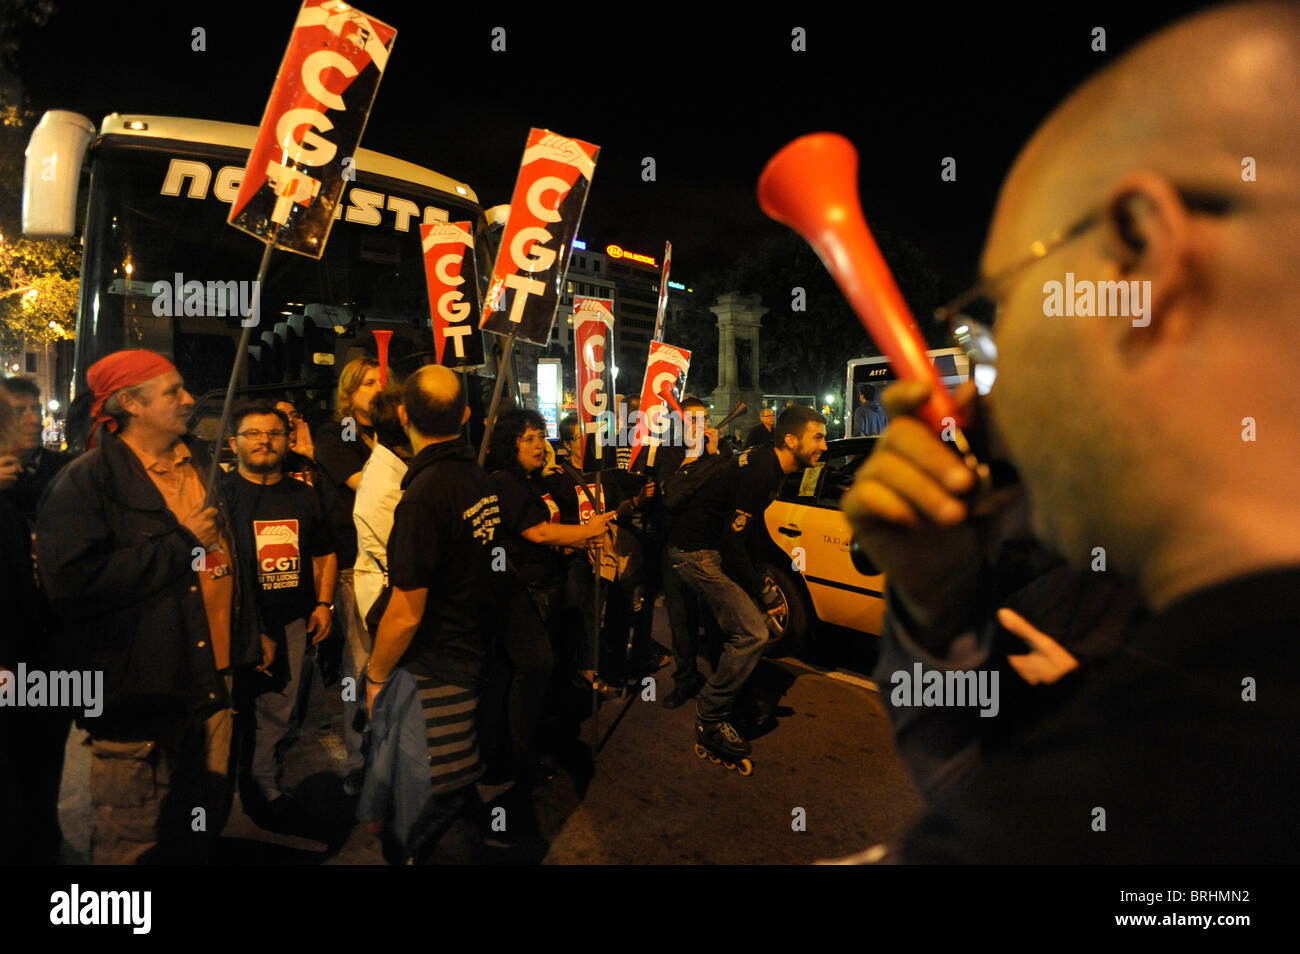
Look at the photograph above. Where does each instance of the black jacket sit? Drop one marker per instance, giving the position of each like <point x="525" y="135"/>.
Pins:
<point x="117" y="566"/>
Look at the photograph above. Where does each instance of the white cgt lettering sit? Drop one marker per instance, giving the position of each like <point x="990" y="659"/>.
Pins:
<point x="541" y="258"/>
<point x="313" y="149"/>
<point x="315" y="66"/>
<point x="440" y="269"/>
<point x="452" y="306"/>
<point x="533" y="199"/>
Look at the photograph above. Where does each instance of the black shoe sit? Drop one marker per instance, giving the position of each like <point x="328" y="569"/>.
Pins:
<point x="602" y="688"/>
<point x="280" y="813"/>
<point x="681" y="694"/>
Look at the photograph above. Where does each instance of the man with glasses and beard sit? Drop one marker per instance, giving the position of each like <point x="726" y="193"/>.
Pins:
<point x="285" y="541"/>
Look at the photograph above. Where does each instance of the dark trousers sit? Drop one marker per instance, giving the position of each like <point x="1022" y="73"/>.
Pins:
<point x="515" y="693"/>
<point x="32" y="742"/>
<point x="463" y="809"/>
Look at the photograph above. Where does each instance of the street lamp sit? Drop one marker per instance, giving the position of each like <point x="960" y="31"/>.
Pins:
<point x="830" y="399"/>
<point x="53" y="405"/>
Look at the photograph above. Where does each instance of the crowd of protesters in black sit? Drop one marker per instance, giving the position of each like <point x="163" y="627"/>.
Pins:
<point x="564" y="543"/>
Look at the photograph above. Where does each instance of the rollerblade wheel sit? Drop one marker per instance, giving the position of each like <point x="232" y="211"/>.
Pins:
<point x="701" y="751"/>
<point x="729" y="766"/>
<point x="746" y="767"/>
<point x="715" y="759"/>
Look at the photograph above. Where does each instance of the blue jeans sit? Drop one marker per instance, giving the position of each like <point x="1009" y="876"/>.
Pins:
<point x="741" y="620"/>
<point x="684" y="622"/>
<point x="356" y="652"/>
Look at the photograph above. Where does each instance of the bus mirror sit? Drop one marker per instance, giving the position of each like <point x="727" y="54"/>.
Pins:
<point x="52" y="172"/>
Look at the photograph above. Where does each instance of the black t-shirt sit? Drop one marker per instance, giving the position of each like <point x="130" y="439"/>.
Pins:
<point x="1162" y="732"/>
<point x="339" y="460"/>
<point x="280" y="528"/>
<point x="525" y="502"/>
<point x="726" y="514"/>
<point x="444" y="531"/>
<point x="758" y="434"/>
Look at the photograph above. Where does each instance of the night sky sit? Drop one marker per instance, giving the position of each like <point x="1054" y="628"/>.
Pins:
<point x="709" y="96"/>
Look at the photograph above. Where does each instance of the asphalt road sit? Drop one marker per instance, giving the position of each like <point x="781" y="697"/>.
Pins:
<point x="826" y="783"/>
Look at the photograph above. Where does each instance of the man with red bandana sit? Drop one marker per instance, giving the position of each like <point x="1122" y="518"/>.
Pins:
<point x="140" y="568"/>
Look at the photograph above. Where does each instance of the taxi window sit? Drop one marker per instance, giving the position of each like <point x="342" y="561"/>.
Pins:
<point x="839" y="475"/>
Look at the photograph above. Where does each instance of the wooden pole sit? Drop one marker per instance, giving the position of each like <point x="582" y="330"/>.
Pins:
<point x="236" y="373"/>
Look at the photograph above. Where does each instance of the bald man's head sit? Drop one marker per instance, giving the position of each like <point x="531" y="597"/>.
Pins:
<point x="1187" y="154"/>
<point x="435" y="402"/>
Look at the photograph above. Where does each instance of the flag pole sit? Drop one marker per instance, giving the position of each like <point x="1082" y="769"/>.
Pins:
<point x="503" y="370"/>
<point x="241" y="353"/>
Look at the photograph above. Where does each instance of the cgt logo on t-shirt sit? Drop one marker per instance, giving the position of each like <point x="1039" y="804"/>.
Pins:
<point x="278" y="554"/>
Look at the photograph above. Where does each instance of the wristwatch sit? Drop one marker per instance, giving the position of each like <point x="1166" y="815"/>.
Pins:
<point x="328" y="606"/>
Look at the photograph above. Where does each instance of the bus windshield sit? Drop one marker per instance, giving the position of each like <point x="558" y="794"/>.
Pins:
<point x="162" y="270"/>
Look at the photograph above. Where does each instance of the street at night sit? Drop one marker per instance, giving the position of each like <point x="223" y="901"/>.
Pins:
<point x="649" y="800"/>
<point x="648" y="438"/>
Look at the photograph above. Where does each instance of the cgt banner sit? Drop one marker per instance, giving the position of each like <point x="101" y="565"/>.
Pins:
<point x="593" y="327"/>
<point x="665" y="369"/>
<point x="312" y="126"/>
<point x="551" y="191"/>
<point x="451" y="310"/>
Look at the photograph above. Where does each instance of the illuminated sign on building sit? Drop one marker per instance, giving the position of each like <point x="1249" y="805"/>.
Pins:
<point x="580" y="245"/>
<point x="616" y="251"/>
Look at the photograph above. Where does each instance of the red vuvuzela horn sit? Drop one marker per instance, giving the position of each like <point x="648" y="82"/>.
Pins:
<point x="381" y="348"/>
<point x="811" y="185"/>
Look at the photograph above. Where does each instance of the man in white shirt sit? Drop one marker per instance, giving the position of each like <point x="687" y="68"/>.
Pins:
<point x="378" y="493"/>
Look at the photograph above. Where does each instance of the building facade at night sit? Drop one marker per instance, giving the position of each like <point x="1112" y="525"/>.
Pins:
<point x="631" y="279"/>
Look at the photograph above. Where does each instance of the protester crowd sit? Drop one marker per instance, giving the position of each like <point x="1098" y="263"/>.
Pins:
<point x="502" y="599"/>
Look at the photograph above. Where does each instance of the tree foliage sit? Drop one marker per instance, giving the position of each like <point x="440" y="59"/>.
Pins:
<point x="39" y="279"/>
<point x="801" y="351"/>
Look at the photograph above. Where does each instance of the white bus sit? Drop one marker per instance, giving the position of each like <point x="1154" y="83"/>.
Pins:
<point x="149" y="197"/>
<point x="952" y="364"/>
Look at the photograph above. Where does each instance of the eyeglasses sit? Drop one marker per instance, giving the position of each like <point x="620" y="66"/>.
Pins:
<point x="258" y="435"/>
<point x="971" y="315"/>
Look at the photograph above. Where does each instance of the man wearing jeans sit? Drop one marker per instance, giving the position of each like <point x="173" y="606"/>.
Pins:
<point x="714" y="542"/>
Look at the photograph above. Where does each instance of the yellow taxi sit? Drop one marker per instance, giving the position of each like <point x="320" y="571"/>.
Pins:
<point x="809" y="558"/>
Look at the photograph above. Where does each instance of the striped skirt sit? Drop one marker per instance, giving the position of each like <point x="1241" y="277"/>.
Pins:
<point x="451" y="718"/>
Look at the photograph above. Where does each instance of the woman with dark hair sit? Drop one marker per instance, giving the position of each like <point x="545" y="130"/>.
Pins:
<point x="532" y="532"/>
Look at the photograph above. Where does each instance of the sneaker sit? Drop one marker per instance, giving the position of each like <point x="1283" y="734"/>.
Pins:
<point x="681" y="694"/>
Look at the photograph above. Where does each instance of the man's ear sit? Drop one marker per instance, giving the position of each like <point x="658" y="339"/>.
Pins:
<point x="464" y="418"/>
<point x="401" y="416"/>
<point x="1146" y="229"/>
<point x="233" y="449"/>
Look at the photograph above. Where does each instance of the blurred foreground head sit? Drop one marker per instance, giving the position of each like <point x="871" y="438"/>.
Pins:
<point x="1167" y="434"/>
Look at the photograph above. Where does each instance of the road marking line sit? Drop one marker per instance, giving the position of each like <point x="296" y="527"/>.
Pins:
<point x="853" y="680"/>
<point x="829" y="673"/>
